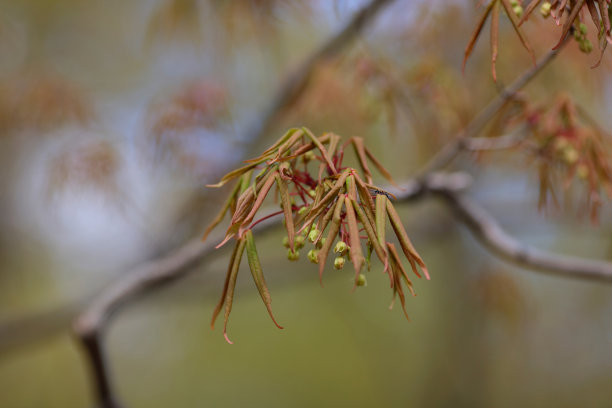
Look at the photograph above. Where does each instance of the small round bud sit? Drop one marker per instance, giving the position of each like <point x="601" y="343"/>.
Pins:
<point x="312" y="193"/>
<point x="339" y="262"/>
<point x="293" y="255"/>
<point x="545" y="9"/>
<point x="312" y="235"/>
<point x="286" y="242"/>
<point x="361" y="280"/>
<point x="340" y="247"/>
<point x="303" y="210"/>
<point x="313" y="256"/>
<point x="570" y="155"/>
<point x="299" y="242"/>
<point x="561" y="144"/>
<point x="586" y="46"/>
<point x="514" y="3"/>
<point x="583" y="28"/>
<point x="582" y="171"/>
<point x="321" y="242"/>
<point x="308" y="156"/>
<point x="518" y="10"/>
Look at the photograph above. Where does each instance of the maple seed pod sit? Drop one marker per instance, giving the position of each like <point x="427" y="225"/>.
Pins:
<point x="339" y="262"/>
<point x="321" y="243"/>
<point x="286" y="242"/>
<point x="312" y="236"/>
<point x="313" y="256"/>
<point x="361" y="280"/>
<point x="340" y="247"/>
<point x="293" y="255"/>
<point x="545" y="9"/>
<point x="299" y="242"/>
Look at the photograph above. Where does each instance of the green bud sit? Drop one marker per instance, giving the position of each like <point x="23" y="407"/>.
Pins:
<point x="514" y="3"/>
<point x="299" y="242"/>
<point x="321" y="242"/>
<point x="312" y="193"/>
<point x="303" y="210"/>
<point x="583" y="28"/>
<point x="340" y="247"/>
<point x="582" y="171"/>
<point x="293" y="255"/>
<point x="570" y="155"/>
<point x="518" y="10"/>
<point x="545" y="9"/>
<point x="286" y="242"/>
<point x="586" y="46"/>
<point x="339" y="262"/>
<point x="312" y="236"/>
<point x="361" y="280"/>
<point x="561" y="144"/>
<point x="313" y="256"/>
<point x="308" y="156"/>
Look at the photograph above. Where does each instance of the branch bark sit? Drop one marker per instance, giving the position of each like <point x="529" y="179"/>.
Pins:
<point x="488" y="231"/>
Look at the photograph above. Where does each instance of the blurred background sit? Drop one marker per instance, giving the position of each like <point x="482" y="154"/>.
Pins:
<point x="113" y="117"/>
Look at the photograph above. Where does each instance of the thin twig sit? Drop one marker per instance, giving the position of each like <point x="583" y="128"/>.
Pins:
<point x="89" y="326"/>
<point x="449" y="151"/>
<point x="488" y="231"/>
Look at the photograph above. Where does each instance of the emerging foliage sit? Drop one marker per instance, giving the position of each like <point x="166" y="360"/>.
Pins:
<point x="574" y="10"/>
<point x="317" y="194"/>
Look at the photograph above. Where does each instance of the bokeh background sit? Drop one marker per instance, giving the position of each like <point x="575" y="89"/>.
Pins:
<point x="113" y="117"/>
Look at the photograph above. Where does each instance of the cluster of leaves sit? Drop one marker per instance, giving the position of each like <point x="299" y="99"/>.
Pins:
<point x="567" y="146"/>
<point x="339" y="199"/>
<point x="598" y="10"/>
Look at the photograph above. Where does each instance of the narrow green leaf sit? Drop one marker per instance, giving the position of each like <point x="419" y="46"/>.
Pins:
<point x="332" y="194"/>
<point x="404" y="241"/>
<point x="356" y="253"/>
<point x="494" y="38"/>
<point x="381" y="225"/>
<point x="225" y="285"/>
<point x="286" y="200"/>
<point x="261" y="196"/>
<point x="385" y="173"/>
<point x="380" y="250"/>
<point x="257" y="273"/>
<point x="321" y="149"/>
<point x="233" y="174"/>
<point x="226" y="206"/>
<point x="476" y="33"/>
<point x="515" y="24"/>
<point x="334" y="228"/>
<point x="230" y="285"/>
<point x="359" y="148"/>
<point x="569" y="21"/>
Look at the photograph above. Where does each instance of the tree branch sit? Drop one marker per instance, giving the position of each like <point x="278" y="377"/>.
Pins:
<point x="89" y="326"/>
<point x="449" y="151"/>
<point x="488" y="231"/>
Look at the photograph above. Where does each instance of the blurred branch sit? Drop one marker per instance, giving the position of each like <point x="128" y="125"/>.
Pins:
<point x="448" y="152"/>
<point x="296" y="83"/>
<point x="488" y="231"/>
<point x="493" y="143"/>
<point x="89" y="326"/>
